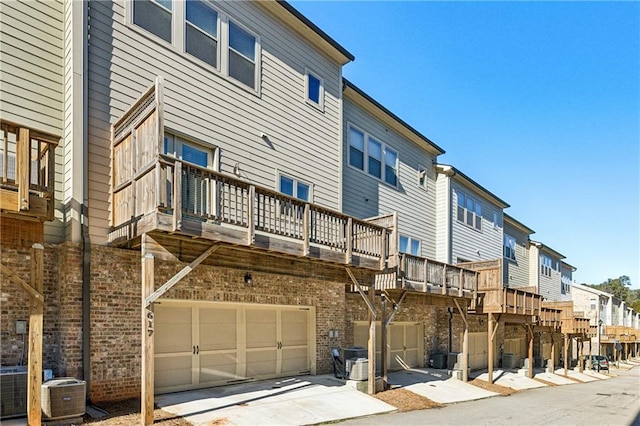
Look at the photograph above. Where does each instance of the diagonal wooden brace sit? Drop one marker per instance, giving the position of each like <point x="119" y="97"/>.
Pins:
<point x="372" y="308"/>
<point x="39" y="297"/>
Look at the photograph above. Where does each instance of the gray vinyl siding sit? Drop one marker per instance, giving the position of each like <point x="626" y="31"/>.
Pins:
<point x="566" y="274"/>
<point x="468" y="243"/>
<point x="365" y="196"/>
<point x="550" y="287"/>
<point x="516" y="272"/>
<point x="443" y="218"/>
<point x="31" y="88"/>
<point x="200" y="102"/>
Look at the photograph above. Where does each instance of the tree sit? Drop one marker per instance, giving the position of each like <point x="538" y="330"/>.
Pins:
<point x="619" y="287"/>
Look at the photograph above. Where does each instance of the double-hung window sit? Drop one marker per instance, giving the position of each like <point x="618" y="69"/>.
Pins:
<point x="409" y="245"/>
<point x="242" y="55"/>
<point x="469" y="211"/>
<point x="372" y="156"/>
<point x="154" y="16"/>
<point x="201" y="32"/>
<point x="204" y="33"/>
<point x="545" y="265"/>
<point x="509" y="247"/>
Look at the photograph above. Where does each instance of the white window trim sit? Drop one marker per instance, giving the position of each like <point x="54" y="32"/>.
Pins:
<point x="422" y="170"/>
<point x="475" y="216"/>
<point x="295" y="187"/>
<point x="365" y="164"/>
<point x="213" y="162"/>
<point x="545" y="269"/>
<point x="181" y="40"/>
<point x="409" y="240"/>
<point x="320" y="105"/>
<point x="178" y="43"/>
<point x="505" y="238"/>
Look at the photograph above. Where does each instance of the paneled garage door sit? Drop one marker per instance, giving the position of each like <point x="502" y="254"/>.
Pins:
<point x="200" y="344"/>
<point x="404" y="340"/>
<point x="478" y="350"/>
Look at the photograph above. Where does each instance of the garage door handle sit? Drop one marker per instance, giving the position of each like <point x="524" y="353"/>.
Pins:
<point x="197" y="350"/>
<point x="194" y="350"/>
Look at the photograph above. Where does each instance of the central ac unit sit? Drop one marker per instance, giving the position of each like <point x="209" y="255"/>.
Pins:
<point x="63" y="398"/>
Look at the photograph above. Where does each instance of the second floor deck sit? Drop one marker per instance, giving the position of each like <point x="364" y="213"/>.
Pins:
<point x="27" y="167"/>
<point x="155" y="192"/>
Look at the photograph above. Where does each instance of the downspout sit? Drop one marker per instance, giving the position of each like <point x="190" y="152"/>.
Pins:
<point x="450" y="329"/>
<point x="84" y="225"/>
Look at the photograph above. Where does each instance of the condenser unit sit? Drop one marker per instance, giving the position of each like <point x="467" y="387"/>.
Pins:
<point x="13" y="391"/>
<point x="63" y="398"/>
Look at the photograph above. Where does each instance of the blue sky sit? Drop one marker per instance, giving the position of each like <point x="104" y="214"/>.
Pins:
<point x="539" y="102"/>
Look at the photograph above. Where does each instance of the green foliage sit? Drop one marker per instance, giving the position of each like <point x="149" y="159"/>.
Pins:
<point x="620" y="288"/>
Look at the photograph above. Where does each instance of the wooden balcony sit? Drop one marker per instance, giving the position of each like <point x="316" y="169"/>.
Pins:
<point x="156" y="193"/>
<point x="27" y="166"/>
<point x="620" y="334"/>
<point x="573" y="322"/>
<point x="550" y="318"/>
<point x="494" y="298"/>
<point x="428" y="276"/>
<point x="508" y="301"/>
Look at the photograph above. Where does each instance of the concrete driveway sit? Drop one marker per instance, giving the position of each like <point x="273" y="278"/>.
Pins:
<point x="294" y="401"/>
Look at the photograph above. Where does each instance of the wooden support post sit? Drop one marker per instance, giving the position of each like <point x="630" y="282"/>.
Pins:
<point x="34" y="389"/>
<point x="371" y="388"/>
<point x="383" y="343"/>
<point x="426" y="275"/>
<point x="383" y="249"/>
<point x="530" y="332"/>
<point x="581" y="355"/>
<point x="444" y="279"/>
<point x="566" y="354"/>
<point x="490" y="354"/>
<point x="460" y="286"/>
<point x="553" y="354"/>
<point x="147" y="330"/>
<point x="465" y="342"/>
<point x="22" y="168"/>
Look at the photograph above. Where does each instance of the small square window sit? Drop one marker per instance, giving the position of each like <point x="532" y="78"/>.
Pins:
<point x="295" y="188"/>
<point x="409" y="245"/>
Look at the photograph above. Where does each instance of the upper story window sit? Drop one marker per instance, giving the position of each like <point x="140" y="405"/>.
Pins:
<point x="154" y="16"/>
<point x="295" y="188"/>
<point x="509" y="247"/>
<point x="188" y="151"/>
<point x="242" y="55"/>
<point x="314" y="89"/>
<point x="201" y="32"/>
<point x="422" y="176"/>
<point x="409" y="245"/>
<point x="469" y="211"/>
<point x="381" y="161"/>
<point x="545" y="265"/>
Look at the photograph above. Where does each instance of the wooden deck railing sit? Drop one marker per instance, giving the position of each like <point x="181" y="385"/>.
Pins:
<point x="429" y="276"/>
<point x="187" y="192"/>
<point x="511" y="301"/>
<point x="27" y="167"/>
<point x="549" y="317"/>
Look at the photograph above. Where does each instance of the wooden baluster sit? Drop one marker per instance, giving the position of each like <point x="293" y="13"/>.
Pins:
<point x="251" y="229"/>
<point x="305" y="229"/>
<point x="177" y="196"/>
<point x="444" y="279"/>
<point x="349" y="242"/>
<point x="22" y="169"/>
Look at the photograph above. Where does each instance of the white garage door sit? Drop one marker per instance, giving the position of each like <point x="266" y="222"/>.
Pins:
<point x="404" y="342"/>
<point x="200" y="344"/>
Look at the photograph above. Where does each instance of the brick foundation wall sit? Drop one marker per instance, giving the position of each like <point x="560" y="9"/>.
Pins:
<point x="116" y="301"/>
<point x="15" y="305"/>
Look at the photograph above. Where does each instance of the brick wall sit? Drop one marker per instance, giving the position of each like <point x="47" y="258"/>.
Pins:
<point x="116" y="301"/>
<point x="15" y="305"/>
